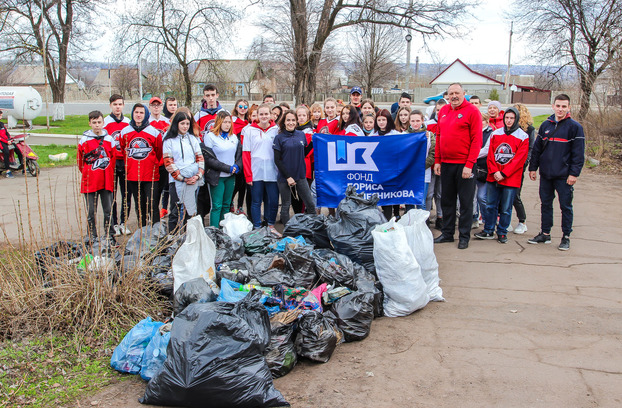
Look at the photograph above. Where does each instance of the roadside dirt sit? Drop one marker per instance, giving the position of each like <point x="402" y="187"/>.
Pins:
<point x="523" y="325"/>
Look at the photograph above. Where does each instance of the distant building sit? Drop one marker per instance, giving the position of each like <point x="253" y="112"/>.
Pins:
<point x="122" y="80"/>
<point x="475" y="82"/>
<point x="233" y="78"/>
<point x="33" y="75"/>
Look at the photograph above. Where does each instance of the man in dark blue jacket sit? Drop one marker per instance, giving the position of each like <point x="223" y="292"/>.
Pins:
<point x="559" y="153"/>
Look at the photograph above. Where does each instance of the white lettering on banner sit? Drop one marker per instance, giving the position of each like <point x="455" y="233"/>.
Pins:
<point x="364" y="187"/>
<point x="360" y="177"/>
<point x="350" y="164"/>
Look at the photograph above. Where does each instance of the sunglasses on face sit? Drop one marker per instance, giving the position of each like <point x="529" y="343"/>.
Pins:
<point x="242" y="106"/>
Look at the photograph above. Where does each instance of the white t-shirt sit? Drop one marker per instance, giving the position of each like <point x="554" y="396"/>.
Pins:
<point x="259" y="143"/>
<point x="224" y="148"/>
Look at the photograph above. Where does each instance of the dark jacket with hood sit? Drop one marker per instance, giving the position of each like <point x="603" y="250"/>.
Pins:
<point x="559" y="148"/>
<point x="141" y="146"/>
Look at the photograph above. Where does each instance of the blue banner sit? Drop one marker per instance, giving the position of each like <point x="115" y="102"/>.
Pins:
<point x="391" y="166"/>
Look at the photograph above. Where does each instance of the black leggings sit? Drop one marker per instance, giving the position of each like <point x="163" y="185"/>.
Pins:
<point x="145" y="200"/>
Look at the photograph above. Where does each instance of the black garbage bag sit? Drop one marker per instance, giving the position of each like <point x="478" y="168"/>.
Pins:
<point x="312" y="227"/>
<point x="301" y="264"/>
<point x="147" y="239"/>
<point x="350" y="233"/>
<point x="216" y="358"/>
<point x="281" y="353"/>
<point x="195" y="290"/>
<point x="317" y="337"/>
<point x="334" y="268"/>
<point x="161" y="264"/>
<point x="58" y="253"/>
<point x="257" y="241"/>
<point x="273" y="277"/>
<point x="232" y="270"/>
<point x="366" y="282"/>
<point x="164" y="282"/>
<point x="353" y="314"/>
<point x="226" y="248"/>
<point x="131" y="262"/>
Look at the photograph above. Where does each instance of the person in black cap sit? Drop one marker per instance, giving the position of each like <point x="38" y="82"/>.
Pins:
<point x="355" y="99"/>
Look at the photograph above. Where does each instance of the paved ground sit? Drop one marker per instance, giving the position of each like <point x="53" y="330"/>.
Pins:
<point x="523" y="325"/>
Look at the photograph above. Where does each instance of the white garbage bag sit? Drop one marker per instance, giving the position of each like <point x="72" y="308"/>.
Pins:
<point x="404" y="288"/>
<point x="235" y="225"/>
<point x="421" y="243"/>
<point x="195" y="258"/>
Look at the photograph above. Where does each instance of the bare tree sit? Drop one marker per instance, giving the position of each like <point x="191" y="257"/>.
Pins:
<point x="188" y="31"/>
<point x="310" y="23"/>
<point x="6" y="68"/>
<point x="125" y="80"/>
<point x="586" y="34"/>
<point x="374" y="52"/>
<point x="47" y="29"/>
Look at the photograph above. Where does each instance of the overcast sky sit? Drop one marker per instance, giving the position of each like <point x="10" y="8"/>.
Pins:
<point x="486" y="42"/>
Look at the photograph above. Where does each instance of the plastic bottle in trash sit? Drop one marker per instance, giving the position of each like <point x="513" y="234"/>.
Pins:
<point x="85" y="261"/>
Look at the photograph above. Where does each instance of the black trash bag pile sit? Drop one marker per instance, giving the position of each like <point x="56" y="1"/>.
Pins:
<point x="235" y="271"/>
<point x="192" y="291"/>
<point x="226" y="248"/>
<point x="350" y="233"/>
<point x="300" y="263"/>
<point x="216" y="358"/>
<point x="281" y="353"/>
<point x="317" y="337"/>
<point x="353" y="314"/>
<point x="313" y="228"/>
<point x="257" y="241"/>
<point x="271" y="270"/>
<point x="57" y="253"/>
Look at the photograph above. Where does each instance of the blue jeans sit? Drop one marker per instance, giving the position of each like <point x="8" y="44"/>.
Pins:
<point x="548" y="187"/>
<point x="499" y="200"/>
<point x="480" y="197"/>
<point x="271" y="191"/>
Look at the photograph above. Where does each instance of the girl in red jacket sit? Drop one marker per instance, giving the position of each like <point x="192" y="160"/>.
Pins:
<point x="96" y="163"/>
<point x="506" y="154"/>
<point x="141" y="145"/>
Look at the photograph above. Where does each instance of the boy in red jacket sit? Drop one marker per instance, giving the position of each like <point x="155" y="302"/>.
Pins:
<point x="506" y="151"/>
<point x="141" y="145"/>
<point x="96" y="162"/>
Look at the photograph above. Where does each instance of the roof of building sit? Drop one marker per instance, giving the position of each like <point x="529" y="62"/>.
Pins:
<point x="231" y="70"/>
<point x="32" y="75"/>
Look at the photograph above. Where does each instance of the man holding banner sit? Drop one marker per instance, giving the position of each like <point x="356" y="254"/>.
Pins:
<point x="391" y="166"/>
<point x="458" y="141"/>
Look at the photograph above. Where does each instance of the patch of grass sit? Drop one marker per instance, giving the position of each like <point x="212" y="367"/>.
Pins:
<point x="72" y="125"/>
<point x="53" y="371"/>
<point x="44" y="151"/>
<point x="537" y="120"/>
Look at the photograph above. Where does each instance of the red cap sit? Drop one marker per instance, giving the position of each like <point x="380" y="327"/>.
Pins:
<point x="155" y="99"/>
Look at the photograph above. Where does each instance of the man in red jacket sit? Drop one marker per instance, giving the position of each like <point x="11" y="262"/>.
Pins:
<point x="458" y="142"/>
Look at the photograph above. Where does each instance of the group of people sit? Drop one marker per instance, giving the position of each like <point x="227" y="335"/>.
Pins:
<point x="174" y="163"/>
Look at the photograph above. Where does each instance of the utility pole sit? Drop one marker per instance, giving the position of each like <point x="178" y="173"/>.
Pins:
<point x="409" y="38"/>
<point x="140" y="79"/>
<point x="109" y="80"/>
<point x="507" y="74"/>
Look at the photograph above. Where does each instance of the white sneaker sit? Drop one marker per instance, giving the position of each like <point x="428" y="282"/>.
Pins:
<point x="124" y="229"/>
<point x="510" y="228"/>
<point x="117" y="230"/>
<point x="521" y="228"/>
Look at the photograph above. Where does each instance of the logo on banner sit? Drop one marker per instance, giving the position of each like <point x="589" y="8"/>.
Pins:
<point x="343" y="156"/>
<point x="139" y="149"/>
<point x="504" y="153"/>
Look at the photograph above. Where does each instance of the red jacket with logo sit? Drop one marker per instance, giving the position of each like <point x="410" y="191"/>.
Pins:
<point x="161" y="124"/>
<point x="96" y="162"/>
<point x="143" y="152"/>
<point x="114" y="127"/>
<point x="507" y="154"/>
<point x="497" y="123"/>
<point x="458" y="135"/>
<point x="328" y="126"/>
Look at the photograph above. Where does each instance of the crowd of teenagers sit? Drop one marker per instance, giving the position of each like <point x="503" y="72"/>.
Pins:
<point x="175" y="164"/>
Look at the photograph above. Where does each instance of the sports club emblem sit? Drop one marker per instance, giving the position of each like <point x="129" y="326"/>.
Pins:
<point x="101" y="163"/>
<point x="209" y="125"/>
<point x="504" y="153"/>
<point x="138" y="149"/>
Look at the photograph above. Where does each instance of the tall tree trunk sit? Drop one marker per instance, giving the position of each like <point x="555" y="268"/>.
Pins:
<point x="586" y="83"/>
<point x="188" y="83"/>
<point x="298" y="15"/>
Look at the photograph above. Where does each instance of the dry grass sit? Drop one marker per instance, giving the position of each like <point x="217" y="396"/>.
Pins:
<point x="55" y="296"/>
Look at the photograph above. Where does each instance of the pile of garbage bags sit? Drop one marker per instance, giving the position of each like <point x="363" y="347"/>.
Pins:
<point x="248" y="307"/>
